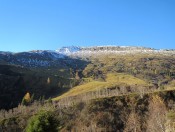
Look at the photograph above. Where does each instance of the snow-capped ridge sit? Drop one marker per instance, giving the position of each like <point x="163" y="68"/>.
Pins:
<point x="46" y="58"/>
<point x="74" y="51"/>
<point x="68" y="49"/>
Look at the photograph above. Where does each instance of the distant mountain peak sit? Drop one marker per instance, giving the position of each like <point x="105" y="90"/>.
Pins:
<point x="69" y="49"/>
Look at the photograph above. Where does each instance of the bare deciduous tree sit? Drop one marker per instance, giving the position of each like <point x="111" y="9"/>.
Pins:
<point x="133" y="123"/>
<point x="157" y="115"/>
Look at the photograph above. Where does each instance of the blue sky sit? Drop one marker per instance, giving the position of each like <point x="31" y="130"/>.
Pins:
<point x="50" y="24"/>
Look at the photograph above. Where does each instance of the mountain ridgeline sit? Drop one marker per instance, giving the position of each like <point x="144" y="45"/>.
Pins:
<point x="69" y="66"/>
<point x="118" y="84"/>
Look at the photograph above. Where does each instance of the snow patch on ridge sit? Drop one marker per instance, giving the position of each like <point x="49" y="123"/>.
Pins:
<point x="68" y="50"/>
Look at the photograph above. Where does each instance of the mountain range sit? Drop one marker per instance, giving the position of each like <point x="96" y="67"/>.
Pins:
<point x="101" y="88"/>
<point x="50" y="58"/>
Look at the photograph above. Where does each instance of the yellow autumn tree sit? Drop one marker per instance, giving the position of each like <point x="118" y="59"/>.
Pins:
<point x="26" y="99"/>
<point x="48" y="80"/>
<point x="77" y="76"/>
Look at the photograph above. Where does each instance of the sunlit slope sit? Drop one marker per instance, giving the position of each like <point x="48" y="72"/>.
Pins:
<point x="111" y="81"/>
<point x="170" y="85"/>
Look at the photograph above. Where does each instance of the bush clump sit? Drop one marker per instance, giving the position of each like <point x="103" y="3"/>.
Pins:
<point x="45" y="121"/>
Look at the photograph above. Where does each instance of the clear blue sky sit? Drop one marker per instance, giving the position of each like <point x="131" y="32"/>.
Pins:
<point x="50" y="24"/>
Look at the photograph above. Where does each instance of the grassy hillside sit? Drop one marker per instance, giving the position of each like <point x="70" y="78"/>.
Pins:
<point x="111" y="80"/>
